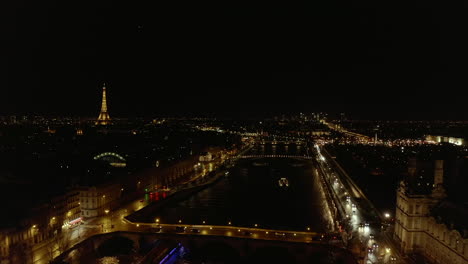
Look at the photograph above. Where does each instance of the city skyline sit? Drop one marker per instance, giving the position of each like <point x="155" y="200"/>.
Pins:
<point x="233" y="132"/>
<point x="403" y="110"/>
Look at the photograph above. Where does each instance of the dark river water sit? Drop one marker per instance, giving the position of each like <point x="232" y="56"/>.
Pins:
<point x="251" y="194"/>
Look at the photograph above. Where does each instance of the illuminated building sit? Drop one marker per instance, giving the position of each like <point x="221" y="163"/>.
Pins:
<point x="206" y="156"/>
<point x="427" y="223"/>
<point x="103" y="118"/>
<point x="95" y="200"/>
<point x="452" y="140"/>
<point x="42" y="223"/>
<point x="66" y="209"/>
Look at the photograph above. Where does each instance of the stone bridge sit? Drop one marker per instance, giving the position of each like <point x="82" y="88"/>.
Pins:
<point x="274" y="156"/>
<point x="234" y="249"/>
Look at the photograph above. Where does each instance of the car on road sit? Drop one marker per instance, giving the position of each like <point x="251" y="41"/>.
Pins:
<point x="247" y="233"/>
<point x="366" y="224"/>
<point x="361" y="225"/>
<point x="381" y="254"/>
<point x="375" y="246"/>
<point x="392" y="258"/>
<point x="180" y="228"/>
<point x="195" y="230"/>
<point x="155" y="229"/>
<point x="371" y="236"/>
<point x="280" y="234"/>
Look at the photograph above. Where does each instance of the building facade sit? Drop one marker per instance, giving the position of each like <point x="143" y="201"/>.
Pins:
<point x="421" y="222"/>
<point x="99" y="200"/>
<point x="66" y="209"/>
<point x="44" y="222"/>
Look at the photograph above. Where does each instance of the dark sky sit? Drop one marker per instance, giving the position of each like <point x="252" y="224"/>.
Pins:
<point x="233" y="57"/>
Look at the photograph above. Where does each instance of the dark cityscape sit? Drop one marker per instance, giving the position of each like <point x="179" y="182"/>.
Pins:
<point x="233" y="132"/>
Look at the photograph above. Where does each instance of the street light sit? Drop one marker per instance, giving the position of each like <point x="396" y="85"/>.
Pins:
<point x="110" y="220"/>
<point x="387" y="215"/>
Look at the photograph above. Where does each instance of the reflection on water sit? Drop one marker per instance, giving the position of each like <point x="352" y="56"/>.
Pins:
<point x="109" y="260"/>
<point x="251" y="195"/>
<point x="277" y="149"/>
<point x="121" y="259"/>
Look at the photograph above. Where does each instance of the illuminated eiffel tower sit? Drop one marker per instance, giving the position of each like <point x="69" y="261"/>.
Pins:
<point x="104" y="118"/>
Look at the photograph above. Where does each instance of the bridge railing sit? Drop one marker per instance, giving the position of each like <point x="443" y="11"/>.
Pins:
<point x="275" y="156"/>
<point x="234" y="231"/>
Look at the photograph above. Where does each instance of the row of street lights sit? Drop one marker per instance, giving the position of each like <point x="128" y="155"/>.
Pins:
<point x="157" y="220"/>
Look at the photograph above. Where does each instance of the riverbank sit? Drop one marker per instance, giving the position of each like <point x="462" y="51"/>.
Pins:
<point x="144" y="214"/>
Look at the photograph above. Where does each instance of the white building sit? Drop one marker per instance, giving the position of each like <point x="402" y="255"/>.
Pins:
<point x="99" y="200"/>
<point x="430" y="225"/>
<point x="206" y="157"/>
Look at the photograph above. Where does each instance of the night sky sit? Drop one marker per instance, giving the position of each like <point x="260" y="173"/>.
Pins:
<point x="233" y="57"/>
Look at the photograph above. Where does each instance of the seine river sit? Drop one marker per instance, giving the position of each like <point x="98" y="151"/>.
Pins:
<point x="251" y="194"/>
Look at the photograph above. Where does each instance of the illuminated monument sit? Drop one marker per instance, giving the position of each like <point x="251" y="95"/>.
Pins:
<point x="104" y="118"/>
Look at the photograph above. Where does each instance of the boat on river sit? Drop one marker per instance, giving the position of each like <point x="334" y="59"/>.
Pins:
<point x="283" y="182"/>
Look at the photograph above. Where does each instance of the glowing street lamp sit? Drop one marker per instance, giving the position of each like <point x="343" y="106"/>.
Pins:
<point x="387" y="215"/>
